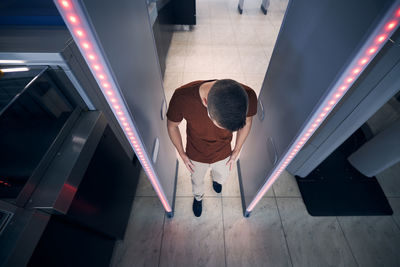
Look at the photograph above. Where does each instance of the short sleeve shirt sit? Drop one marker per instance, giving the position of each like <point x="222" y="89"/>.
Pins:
<point x="205" y="142"/>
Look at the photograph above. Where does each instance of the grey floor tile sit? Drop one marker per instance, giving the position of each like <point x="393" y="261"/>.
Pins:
<point x="144" y="187"/>
<point x="142" y="241"/>
<point x="172" y="80"/>
<point x="389" y="180"/>
<point x="231" y="186"/>
<point x="235" y="188"/>
<point x="193" y="76"/>
<point x="179" y="38"/>
<point x="255" y="241"/>
<point x="232" y="189"/>
<point x="286" y="186"/>
<point x="200" y="64"/>
<point x="313" y="241"/>
<point x="374" y="240"/>
<point x="255" y="81"/>
<point x="395" y="204"/>
<point x="253" y="59"/>
<point x="194" y="241"/>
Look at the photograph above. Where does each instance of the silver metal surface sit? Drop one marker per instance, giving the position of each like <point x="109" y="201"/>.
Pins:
<point x="47" y="59"/>
<point x="38" y="173"/>
<point x="79" y="88"/>
<point x="60" y="183"/>
<point x="156" y="150"/>
<point x="134" y="67"/>
<point x="81" y="72"/>
<point x="260" y="111"/>
<point x="44" y="58"/>
<point x="374" y="89"/>
<point x="23" y="232"/>
<point x="379" y="153"/>
<point x="163" y="109"/>
<point x="300" y="76"/>
<point x="23" y="91"/>
<point x="152" y="9"/>
<point x="33" y="39"/>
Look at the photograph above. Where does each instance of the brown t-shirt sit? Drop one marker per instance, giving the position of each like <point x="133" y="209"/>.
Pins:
<point x="205" y="142"/>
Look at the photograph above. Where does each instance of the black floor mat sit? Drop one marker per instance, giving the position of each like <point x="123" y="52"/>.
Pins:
<point x="335" y="188"/>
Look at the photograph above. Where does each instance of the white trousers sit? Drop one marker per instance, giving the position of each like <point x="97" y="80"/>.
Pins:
<point x="219" y="173"/>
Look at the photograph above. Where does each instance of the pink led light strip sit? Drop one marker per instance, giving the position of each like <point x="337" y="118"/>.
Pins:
<point x="77" y="24"/>
<point x="376" y="41"/>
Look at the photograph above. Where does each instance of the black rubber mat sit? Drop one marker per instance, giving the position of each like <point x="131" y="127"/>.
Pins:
<point x="335" y="188"/>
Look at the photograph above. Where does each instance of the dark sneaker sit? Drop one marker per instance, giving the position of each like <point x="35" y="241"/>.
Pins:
<point x="197" y="207"/>
<point x="217" y="187"/>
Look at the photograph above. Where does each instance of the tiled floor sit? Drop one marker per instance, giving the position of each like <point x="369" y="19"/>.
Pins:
<point x="279" y="232"/>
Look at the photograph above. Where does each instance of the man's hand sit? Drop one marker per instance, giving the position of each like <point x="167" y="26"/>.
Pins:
<point x="189" y="165"/>
<point x="175" y="135"/>
<point x="240" y="138"/>
<point x="233" y="158"/>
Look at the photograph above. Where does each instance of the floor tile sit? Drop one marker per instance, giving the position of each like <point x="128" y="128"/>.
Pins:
<point x="179" y="38"/>
<point x="276" y="18"/>
<point x="175" y="63"/>
<point x="172" y="81"/>
<point x="142" y="242"/>
<point x="243" y="20"/>
<point x="286" y="186"/>
<point x="200" y="35"/>
<point x="199" y="50"/>
<point x="256" y="16"/>
<point x="253" y="59"/>
<point x="144" y="187"/>
<point x="232" y="187"/>
<point x="225" y="51"/>
<point x="219" y="14"/>
<point x="223" y="35"/>
<point x="268" y="51"/>
<point x="255" y="81"/>
<point x="246" y="35"/>
<point x="266" y="34"/>
<point x="374" y="240"/>
<point x="202" y="9"/>
<point x="204" y="64"/>
<point x="194" y="76"/>
<point x="255" y="241"/>
<point x="177" y="50"/>
<point x="313" y="241"/>
<point x="395" y="204"/>
<point x="279" y="5"/>
<point x="194" y="241"/>
<point x="226" y="60"/>
<point x="220" y="19"/>
<point x="203" y="20"/>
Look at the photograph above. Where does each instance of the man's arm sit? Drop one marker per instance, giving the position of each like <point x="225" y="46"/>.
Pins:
<point x="176" y="138"/>
<point x="240" y="138"/>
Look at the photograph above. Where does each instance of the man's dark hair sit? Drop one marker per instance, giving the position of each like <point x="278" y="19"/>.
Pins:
<point x="227" y="103"/>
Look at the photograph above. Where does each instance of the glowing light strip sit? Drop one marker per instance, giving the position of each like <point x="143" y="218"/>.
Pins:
<point x="375" y="42"/>
<point x="14" y="69"/>
<point x="11" y="61"/>
<point x="77" y="24"/>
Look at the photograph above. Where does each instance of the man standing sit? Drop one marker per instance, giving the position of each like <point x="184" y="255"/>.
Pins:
<point x="213" y="110"/>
